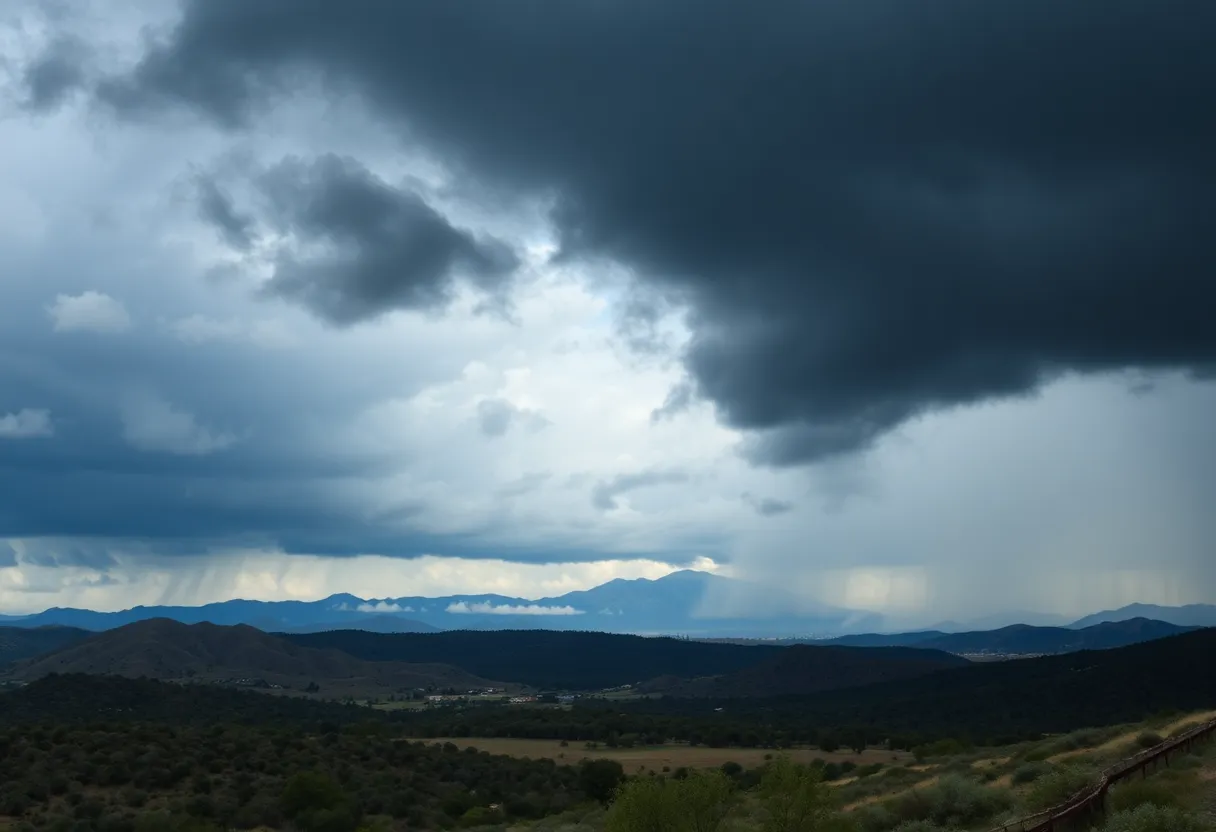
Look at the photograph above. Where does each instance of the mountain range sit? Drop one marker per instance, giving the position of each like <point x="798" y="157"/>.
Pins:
<point x="688" y="602"/>
<point x="673" y="604"/>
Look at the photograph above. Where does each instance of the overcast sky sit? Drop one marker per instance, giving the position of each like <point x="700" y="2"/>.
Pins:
<point x="906" y="306"/>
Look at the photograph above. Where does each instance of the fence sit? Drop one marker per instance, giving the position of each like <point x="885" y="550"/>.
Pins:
<point x="1091" y="801"/>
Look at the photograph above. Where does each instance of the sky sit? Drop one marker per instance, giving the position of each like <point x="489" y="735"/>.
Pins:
<point x="903" y="307"/>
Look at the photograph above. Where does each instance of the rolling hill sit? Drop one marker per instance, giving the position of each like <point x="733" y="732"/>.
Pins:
<point x="242" y="655"/>
<point x="805" y="669"/>
<point x="547" y="658"/>
<point x="25" y="642"/>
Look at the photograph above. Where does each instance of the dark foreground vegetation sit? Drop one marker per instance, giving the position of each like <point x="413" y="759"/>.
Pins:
<point x="90" y="753"/>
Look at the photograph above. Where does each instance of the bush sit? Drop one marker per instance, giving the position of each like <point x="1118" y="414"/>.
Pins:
<point x="794" y="797"/>
<point x="599" y="779"/>
<point x="643" y="805"/>
<point x="1135" y="793"/>
<point x="310" y="792"/>
<point x="1149" y="818"/>
<point x="1149" y="739"/>
<point x="1058" y="785"/>
<point x="1029" y="772"/>
<point x="952" y="801"/>
<point x="697" y="803"/>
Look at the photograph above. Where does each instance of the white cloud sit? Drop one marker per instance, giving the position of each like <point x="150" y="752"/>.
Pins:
<point x="384" y="606"/>
<point x="26" y="424"/>
<point x="89" y="312"/>
<point x="510" y="609"/>
<point x="152" y="424"/>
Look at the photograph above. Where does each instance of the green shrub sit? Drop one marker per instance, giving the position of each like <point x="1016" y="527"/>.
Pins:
<point x="1029" y="772"/>
<point x="1149" y="818"/>
<point x="952" y="800"/>
<point x="1149" y="739"/>
<point x="794" y="797"/>
<point x="1058" y="785"/>
<point x="923" y="826"/>
<point x="1134" y="793"/>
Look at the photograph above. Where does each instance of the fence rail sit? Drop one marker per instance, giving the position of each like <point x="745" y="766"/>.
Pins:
<point x="1092" y="799"/>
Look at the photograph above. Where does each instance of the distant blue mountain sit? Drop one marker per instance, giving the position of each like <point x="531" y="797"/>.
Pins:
<point x="1191" y="615"/>
<point x="682" y="603"/>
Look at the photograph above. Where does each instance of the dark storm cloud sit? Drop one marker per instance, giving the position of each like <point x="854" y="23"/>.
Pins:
<point x="216" y="207"/>
<point x="55" y="74"/>
<point x="875" y="209"/>
<point x="604" y="494"/>
<point x="382" y="247"/>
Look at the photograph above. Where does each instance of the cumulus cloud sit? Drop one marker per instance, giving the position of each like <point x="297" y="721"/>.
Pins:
<point x="484" y="608"/>
<point x="27" y="423"/>
<point x="152" y="424"/>
<point x="89" y="311"/>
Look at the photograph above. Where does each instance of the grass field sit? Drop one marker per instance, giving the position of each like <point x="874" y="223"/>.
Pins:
<point x="673" y="756"/>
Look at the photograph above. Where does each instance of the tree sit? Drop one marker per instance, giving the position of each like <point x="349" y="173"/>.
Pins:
<point x="699" y="802"/>
<point x="600" y="778"/>
<point x="794" y="797"/>
<point x="704" y="799"/>
<point x="644" y="805"/>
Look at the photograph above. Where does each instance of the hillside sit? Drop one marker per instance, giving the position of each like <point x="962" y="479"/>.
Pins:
<point x="22" y="642"/>
<point x="988" y="703"/>
<point x="547" y="658"/>
<point x="804" y="669"/>
<point x="78" y="697"/>
<point x="164" y="649"/>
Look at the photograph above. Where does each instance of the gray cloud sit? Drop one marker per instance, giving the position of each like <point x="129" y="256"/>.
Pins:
<point x="497" y="416"/>
<point x="216" y="207"/>
<point x="604" y="495"/>
<point x="679" y="398"/>
<point x="767" y="506"/>
<point x="875" y="209"/>
<point x="55" y="74"/>
<point x="8" y="555"/>
<point x="27" y="423"/>
<point x="361" y="247"/>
